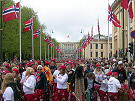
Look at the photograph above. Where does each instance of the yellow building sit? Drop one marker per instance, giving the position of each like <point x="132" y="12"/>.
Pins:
<point x="117" y="33"/>
<point x="68" y="49"/>
<point x="103" y="48"/>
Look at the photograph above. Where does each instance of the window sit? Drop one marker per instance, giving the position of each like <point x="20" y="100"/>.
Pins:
<point x="101" y="46"/>
<point x="90" y="46"/>
<point x="96" y="54"/>
<point x="91" y="54"/>
<point x="111" y="45"/>
<point x="96" y="46"/>
<point x="102" y="54"/>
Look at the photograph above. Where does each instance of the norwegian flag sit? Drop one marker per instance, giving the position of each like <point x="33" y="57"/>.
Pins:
<point x="59" y="50"/>
<point x="36" y="33"/>
<point x="15" y="59"/>
<point x="85" y="43"/>
<point x="76" y="51"/>
<point x="92" y="33"/>
<point x="28" y="25"/>
<point x="98" y="29"/>
<point x="52" y="45"/>
<point x="112" y="17"/>
<point x="37" y="76"/>
<point x="45" y="71"/>
<point x="127" y="4"/>
<point x="11" y="12"/>
<point x="88" y="40"/>
<point x="56" y="48"/>
<point x="80" y="48"/>
<point x="46" y="38"/>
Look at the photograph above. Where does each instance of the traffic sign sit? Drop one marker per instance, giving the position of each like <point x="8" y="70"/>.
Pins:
<point x="133" y="34"/>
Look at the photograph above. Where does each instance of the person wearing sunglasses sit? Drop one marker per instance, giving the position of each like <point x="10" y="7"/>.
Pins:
<point x="41" y="84"/>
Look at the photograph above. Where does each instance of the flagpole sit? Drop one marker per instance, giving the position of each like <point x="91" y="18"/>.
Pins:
<point x="88" y="51"/>
<point x="92" y="49"/>
<point x="32" y="44"/>
<point x="20" y="30"/>
<point x="53" y="50"/>
<point x="128" y="38"/>
<point x="98" y="41"/>
<point x="40" y="44"/>
<point x="108" y="35"/>
<point x="45" y="49"/>
<point x="48" y="52"/>
<point x="56" y="53"/>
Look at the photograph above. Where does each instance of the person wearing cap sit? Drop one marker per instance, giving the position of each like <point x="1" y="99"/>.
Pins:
<point x="7" y="67"/>
<point x="29" y="85"/>
<point x="41" y="85"/>
<point x="122" y="77"/>
<point x="48" y="74"/>
<point x="132" y="81"/>
<point x="99" y="75"/>
<point x="113" y="86"/>
<point x="53" y="66"/>
<point x="61" y="79"/>
<point x="4" y="72"/>
<point x="15" y="73"/>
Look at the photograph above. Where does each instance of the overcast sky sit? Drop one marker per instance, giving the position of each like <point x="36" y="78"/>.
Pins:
<point x="68" y="17"/>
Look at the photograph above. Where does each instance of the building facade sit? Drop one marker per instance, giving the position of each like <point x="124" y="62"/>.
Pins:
<point x="120" y="35"/>
<point x="103" y="48"/>
<point x="68" y="49"/>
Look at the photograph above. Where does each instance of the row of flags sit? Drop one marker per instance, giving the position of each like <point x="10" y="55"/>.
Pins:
<point x="12" y="12"/>
<point x="51" y="44"/>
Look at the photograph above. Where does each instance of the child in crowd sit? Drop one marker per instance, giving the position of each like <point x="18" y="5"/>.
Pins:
<point x="90" y="80"/>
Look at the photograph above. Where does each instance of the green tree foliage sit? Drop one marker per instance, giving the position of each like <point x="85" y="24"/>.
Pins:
<point x="11" y="35"/>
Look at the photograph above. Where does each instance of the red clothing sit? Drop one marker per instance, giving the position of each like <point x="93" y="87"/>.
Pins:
<point x="103" y="96"/>
<point x="114" y="96"/>
<point x="40" y="95"/>
<point x="48" y="92"/>
<point x="29" y="97"/>
<point x="96" y="90"/>
<point x="53" y="91"/>
<point x="61" y="95"/>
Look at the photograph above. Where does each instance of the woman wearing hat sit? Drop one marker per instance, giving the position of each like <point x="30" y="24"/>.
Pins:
<point x="61" y="79"/>
<point x="99" y="75"/>
<point x="41" y="84"/>
<point x="29" y="85"/>
<point x="9" y="90"/>
<point x="15" y="73"/>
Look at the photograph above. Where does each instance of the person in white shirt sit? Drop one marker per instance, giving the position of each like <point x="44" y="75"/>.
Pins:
<point x="29" y="85"/>
<point x="9" y="89"/>
<point x="61" y="79"/>
<point x="113" y="86"/>
<point x="99" y="75"/>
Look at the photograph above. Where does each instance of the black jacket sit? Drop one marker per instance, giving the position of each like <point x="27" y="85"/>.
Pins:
<point x="42" y="83"/>
<point x="121" y="74"/>
<point x="132" y="81"/>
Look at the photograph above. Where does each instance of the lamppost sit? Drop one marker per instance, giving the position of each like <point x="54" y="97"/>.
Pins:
<point x="82" y="31"/>
<point x="51" y="31"/>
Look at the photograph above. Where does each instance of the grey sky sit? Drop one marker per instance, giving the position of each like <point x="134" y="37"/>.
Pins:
<point x="68" y="17"/>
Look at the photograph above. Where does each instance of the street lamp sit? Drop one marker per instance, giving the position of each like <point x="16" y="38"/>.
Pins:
<point x="82" y="31"/>
<point x="51" y="31"/>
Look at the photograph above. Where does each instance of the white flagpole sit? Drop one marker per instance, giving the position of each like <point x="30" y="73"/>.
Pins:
<point x="45" y="49"/>
<point x="48" y="52"/>
<point x="108" y="35"/>
<point x="98" y="40"/>
<point x="32" y="45"/>
<point x="20" y="30"/>
<point x="92" y="49"/>
<point x="40" y="43"/>
<point x="128" y="37"/>
<point x="53" y="50"/>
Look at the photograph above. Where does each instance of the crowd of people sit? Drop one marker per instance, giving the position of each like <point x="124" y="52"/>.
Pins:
<point x="67" y="80"/>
